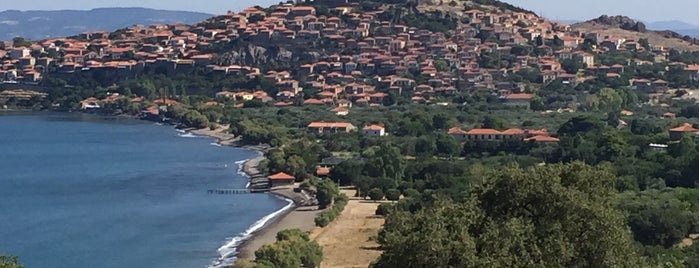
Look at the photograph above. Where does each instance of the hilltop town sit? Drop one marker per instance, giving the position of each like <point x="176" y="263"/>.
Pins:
<point x="360" y="55"/>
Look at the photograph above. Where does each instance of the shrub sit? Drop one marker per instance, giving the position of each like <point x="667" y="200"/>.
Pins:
<point x="393" y="194"/>
<point x="376" y="194"/>
<point x="410" y="192"/>
<point x="384" y="209"/>
<point x="326" y="217"/>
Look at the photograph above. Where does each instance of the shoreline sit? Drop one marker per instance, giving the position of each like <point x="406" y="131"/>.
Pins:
<point x="292" y="215"/>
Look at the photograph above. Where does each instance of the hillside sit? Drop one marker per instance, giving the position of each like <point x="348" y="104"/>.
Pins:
<point x="622" y="26"/>
<point x="38" y="25"/>
<point x="457" y="8"/>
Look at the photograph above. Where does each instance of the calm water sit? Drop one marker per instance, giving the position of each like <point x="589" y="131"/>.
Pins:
<point x="84" y="191"/>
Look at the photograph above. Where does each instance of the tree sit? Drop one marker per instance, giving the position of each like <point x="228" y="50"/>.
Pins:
<point x="393" y="194"/>
<point x="571" y="66"/>
<point x="425" y="145"/>
<point x="494" y="122"/>
<point x="644" y="43"/>
<point x="21" y="42"/>
<point x="292" y="249"/>
<point x="375" y="194"/>
<point x="7" y="261"/>
<point x="296" y="166"/>
<point x="609" y="100"/>
<point x="326" y="191"/>
<point x="386" y="161"/>
<point x="446" y="144"/>
<point x="657" y="218"/>
<point x="581" y="123"/>
<point x="553" y="216"/>
<point x="347" y="172"/>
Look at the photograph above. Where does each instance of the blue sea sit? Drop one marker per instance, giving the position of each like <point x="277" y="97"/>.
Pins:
<point x="80" y="190"/>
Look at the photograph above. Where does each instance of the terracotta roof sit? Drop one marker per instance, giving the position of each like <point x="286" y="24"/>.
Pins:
<point x="323" y="171"/>
<point x="330" y="125"/>
<point x="281" y="176"/>
<point x="543" y="138"/>
<point x="686" y="127"/>
<point x="313" y="102"/>
<point x="513" y="131"/>
<point x="373" y="127"/>
<point x="456" y="130"/>
<point x="483" y="131"/>
<point x="519" y="96"/>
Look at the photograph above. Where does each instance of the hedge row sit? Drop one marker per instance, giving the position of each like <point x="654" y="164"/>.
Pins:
<point x="326" y="217"/>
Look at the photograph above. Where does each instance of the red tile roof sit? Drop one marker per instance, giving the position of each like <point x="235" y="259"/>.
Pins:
<point x="519" y="96"/>
<point x="330" y="125"/>
<point x="322" y="171"/>
<point x="542" y="138"/>
<point x="456" y="130"/>
<point x="483" y="131"/>
<point x="373" y="127"/>
<point x="281" y="176"/>
<point x="686" y="127"/>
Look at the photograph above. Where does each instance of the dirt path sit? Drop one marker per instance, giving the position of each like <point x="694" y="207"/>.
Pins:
<point x="349" y="240"/>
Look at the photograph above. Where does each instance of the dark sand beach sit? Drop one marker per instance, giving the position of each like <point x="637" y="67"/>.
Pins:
<point x="297" y="217"/>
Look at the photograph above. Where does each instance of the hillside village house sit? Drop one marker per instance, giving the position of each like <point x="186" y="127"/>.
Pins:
<point x="331" y="127"/>
<point x="374" y="131"/>
<point x="518" y="99"/>
<point x="686" y="128"/>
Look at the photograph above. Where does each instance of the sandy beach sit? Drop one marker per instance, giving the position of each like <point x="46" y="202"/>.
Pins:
<point x="297" y="217"/>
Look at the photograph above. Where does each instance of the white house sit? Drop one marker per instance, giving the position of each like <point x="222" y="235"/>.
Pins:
<point x="374" y="130"/>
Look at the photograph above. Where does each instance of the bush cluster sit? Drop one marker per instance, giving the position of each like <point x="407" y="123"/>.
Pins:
<point x="326" y="217"/>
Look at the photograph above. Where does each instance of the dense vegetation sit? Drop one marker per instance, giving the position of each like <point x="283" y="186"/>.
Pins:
<point x="554" y="215"/>
<point x="293" y="249"/>
<point x="9" y="262"/>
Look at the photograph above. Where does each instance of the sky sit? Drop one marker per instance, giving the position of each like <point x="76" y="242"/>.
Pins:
<point x="207" y="6"/>
<point x="644" y="10"/>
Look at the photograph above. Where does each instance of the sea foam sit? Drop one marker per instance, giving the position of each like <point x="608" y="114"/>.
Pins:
<point x="187" y="135"/>
<point x="229" y="250"/>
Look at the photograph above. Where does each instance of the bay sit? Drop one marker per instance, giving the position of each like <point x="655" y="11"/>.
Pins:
<point x="79" y="190"/>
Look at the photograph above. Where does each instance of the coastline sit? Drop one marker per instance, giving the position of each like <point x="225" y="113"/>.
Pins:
<point x="263" y="231"/>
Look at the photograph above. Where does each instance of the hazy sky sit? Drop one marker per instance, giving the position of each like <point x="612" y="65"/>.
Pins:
<point x="646" y="10"/>
<point x="208" y="6"/>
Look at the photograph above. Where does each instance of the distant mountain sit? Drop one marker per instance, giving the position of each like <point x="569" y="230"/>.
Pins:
<point x="680" y="27"/>
<point x="37" y="25"/>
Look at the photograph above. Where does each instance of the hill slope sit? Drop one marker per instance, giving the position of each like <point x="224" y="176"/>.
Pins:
<point x="37" y="25"/>
<point x="622" y="26"/>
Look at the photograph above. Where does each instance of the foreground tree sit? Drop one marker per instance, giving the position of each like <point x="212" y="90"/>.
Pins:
<point x="9" y="262"/>
<point x="544" y="216"/>
<point x="326" y="191"/>
<point x="293" y="249"/>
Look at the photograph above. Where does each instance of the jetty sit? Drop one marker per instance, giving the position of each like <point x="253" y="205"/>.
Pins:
<point x="239" y="191"/>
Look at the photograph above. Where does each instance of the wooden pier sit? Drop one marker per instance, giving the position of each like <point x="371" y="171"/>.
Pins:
<point x="238" y="191"/>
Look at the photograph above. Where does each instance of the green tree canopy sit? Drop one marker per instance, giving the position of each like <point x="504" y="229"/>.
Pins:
<point x="544" y="216"/>
<point x="292" y="249"/>
<point x="7" y="261"/>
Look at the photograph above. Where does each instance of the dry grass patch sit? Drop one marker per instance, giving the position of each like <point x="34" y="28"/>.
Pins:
<point x="350" y="241"/>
